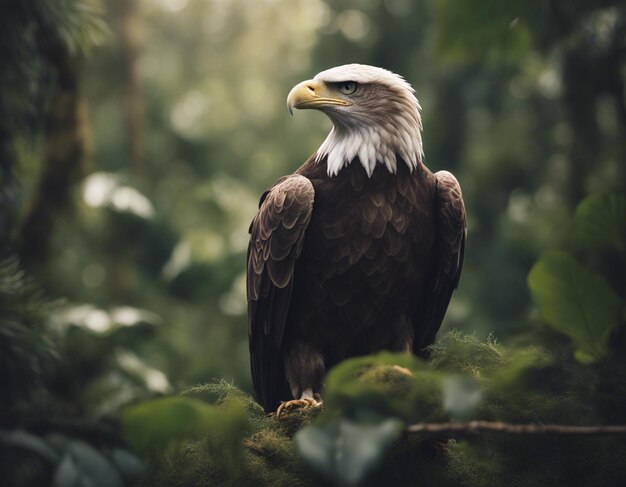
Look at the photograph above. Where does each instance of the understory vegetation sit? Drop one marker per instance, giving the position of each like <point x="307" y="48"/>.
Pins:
<point x="359" y="438"/>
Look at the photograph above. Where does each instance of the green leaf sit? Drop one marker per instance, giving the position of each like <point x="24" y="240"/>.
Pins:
<point x="66" y="474"/>
<point x="154" y="425"/>
<point x="345" y="452"/>
<point x="461" y="396"/>
<point x="600" y="221"/>
<point x="27" y="441"/>
<point x="128" y="464"/>
<point x="576" y="301"/>
<point x="79" y="23"/>
<point x="93" y="468"/>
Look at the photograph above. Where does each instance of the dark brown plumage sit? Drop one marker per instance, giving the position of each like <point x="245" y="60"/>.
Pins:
<point x="348" y="265"/>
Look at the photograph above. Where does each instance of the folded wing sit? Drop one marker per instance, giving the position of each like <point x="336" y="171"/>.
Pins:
<point x="276" y="239"/>
<point x="448" y="250"/>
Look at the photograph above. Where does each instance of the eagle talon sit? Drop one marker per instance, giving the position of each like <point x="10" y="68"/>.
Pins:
<point x="297" y="403"/>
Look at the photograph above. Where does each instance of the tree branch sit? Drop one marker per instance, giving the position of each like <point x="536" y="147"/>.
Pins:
<point x="499" y="427"/>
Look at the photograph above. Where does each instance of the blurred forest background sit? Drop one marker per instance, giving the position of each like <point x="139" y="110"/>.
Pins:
<point x="136" y="137"/>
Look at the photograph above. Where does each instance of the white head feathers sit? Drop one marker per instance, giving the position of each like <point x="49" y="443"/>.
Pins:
<point x="382" y="122"/>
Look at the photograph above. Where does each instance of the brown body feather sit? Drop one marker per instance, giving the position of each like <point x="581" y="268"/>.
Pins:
<point x="347" y="266"/>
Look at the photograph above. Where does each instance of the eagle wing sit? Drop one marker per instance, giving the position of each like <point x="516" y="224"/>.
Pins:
<point x="276" y="239"/>
<point x="448" y="250"/>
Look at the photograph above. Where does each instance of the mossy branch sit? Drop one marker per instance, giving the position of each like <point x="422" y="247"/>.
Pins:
<point x="508" y="428"/>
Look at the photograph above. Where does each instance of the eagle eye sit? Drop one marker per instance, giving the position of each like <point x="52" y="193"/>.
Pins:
<point x="348" y="87"/>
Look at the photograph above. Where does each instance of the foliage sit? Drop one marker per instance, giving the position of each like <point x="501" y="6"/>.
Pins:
<point x="40" y="444"/>
<point x="385" y="385"/>
<point x="42" y="439"/>
<point x="365" y="447"/>
<point x="600" y="221"/>
<point x="574" y="299"/>
<point x="79" y="23"/>
<point x="61" y="461"/>
<point x="103" y="345"/>
<point x="24" y="75"/>
<point x="220" y="457"/>
<point x="178" y="418"/>
<point x="27" y="352"/>
<point x="346" y="452"/>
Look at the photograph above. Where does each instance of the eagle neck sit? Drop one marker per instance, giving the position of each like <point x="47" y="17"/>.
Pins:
<point x="400" y="137"/>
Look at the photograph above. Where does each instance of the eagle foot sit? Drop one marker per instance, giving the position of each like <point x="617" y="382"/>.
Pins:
<point x="304" y="402"/>
<point x="402" y="370"/>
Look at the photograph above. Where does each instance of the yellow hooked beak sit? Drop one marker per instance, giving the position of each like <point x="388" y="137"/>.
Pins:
<point x="313" y="94"/>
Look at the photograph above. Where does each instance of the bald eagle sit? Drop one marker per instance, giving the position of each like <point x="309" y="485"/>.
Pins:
<point x="357" y="251"/>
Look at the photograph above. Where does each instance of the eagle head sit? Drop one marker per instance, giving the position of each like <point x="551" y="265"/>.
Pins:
<point x="375" y="117"/>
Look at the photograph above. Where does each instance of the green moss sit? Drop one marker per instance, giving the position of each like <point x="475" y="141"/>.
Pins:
<point x="456" y="352"/>
<point x="469" y="465"/>
<point x="295" y="419"/>
<point x="272" y="460"/>
<point x="228" y="454"/>
<point x="385" y="384"/>
<point x="227" y="396"/>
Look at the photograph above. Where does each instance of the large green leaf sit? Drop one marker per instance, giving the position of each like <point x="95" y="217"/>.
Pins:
<point x="344" y="451"/>
<point x="154" y="425"/>
<point x="576" y="301"/>
<point x="600" y="221"/>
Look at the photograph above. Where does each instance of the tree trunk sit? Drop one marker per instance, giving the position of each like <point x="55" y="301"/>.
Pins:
<point x="65" y="148"/>
<point x="133" y="94"/>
